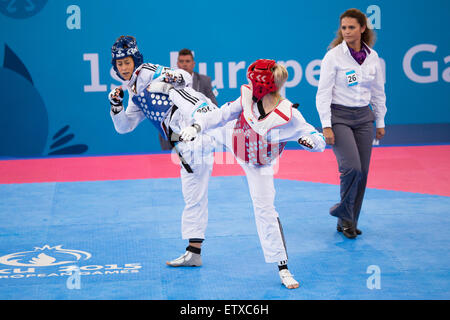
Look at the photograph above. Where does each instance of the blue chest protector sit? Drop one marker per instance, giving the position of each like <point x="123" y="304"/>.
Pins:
<point x="155" y="107"/>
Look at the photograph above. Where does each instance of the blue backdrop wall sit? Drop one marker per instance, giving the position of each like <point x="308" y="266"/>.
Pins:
<point x="55" y="69"/>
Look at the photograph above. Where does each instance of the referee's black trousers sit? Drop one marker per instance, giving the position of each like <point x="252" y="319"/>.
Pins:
<point x="353" y="129"/>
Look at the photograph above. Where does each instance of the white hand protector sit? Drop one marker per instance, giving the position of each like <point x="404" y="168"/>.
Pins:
<point x="189" y="133"/>
<point x="161" y="87"/>
<point x="115" y="99"/>
<point x="313" y="142"/>
<point x="306" y="142"/>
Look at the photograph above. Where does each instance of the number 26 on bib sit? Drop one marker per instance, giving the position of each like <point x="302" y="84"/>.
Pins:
<point x="352" y="79"/>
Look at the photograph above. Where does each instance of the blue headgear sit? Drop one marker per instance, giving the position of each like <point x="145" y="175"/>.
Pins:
<point x="126" y="46"/>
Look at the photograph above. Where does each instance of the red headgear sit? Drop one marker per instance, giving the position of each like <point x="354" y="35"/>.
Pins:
<point x="261" y="76"/>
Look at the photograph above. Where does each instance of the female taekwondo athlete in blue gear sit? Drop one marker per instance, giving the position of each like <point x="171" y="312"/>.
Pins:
<point x="160" y="94"/>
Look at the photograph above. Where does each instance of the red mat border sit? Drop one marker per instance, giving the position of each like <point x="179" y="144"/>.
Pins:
<point x="419" y="169"/>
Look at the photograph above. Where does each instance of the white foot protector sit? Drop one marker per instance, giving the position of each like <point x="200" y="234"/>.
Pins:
<point x="287" y="279"/>
<point x="188" y="259"/>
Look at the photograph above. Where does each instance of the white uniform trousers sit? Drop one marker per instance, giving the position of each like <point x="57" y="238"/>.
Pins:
<point x="262" y="191"/>
<point x="194" y="186"/>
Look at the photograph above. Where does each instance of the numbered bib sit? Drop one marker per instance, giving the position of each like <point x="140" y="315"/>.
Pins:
<point x="352" y="79"/>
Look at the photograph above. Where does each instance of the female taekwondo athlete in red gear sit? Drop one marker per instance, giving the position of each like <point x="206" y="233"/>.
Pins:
<point x="260" y="122"/>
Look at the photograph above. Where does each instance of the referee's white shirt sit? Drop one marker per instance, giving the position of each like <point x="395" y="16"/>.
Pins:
<point x="345" y="82"/>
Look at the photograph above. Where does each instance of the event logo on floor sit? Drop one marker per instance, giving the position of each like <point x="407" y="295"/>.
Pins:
<point x="29" y="264"/>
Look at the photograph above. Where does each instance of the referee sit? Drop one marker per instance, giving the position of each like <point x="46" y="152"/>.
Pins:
<point x="351" y="79"/>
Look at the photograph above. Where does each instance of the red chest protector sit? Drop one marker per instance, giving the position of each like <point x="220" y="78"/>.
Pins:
<point x="249" y="143"/>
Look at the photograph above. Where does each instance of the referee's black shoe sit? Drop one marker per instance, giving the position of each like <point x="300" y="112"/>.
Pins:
<point x="347" y="228"/>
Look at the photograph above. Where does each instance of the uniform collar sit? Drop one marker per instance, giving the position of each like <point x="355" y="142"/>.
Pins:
<point x="345" y="48"/>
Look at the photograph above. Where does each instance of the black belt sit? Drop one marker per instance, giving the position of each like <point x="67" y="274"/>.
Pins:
<point x="175" y="137"/>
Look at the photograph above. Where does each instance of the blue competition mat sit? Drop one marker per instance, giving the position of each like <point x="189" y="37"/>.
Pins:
<point x="118" y="235"/>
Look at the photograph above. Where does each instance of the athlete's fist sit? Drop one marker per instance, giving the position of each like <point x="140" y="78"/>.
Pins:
<point x="189" y="133"/>
<point x="306" y="142"/>
<point x="116" y="96"/>
<point x="173" y="76"/>
<point x="115" y="99"/>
